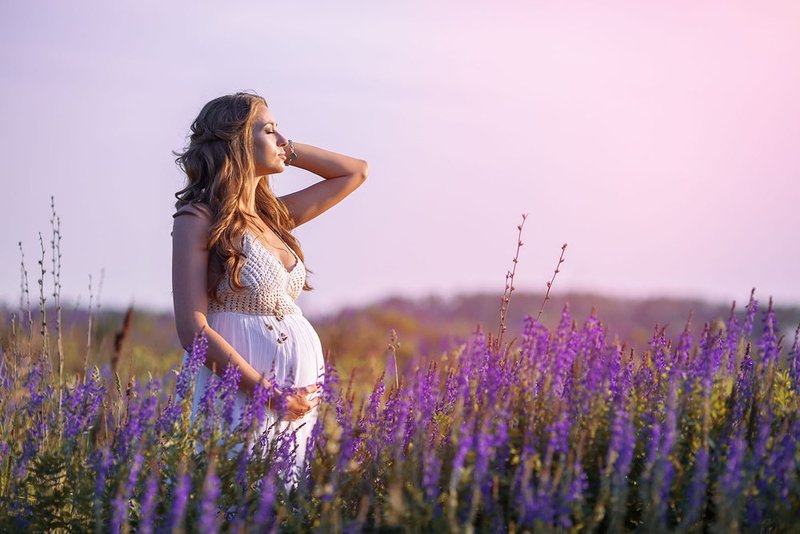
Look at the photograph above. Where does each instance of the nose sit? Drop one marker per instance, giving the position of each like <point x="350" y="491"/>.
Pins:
<point x="281" y="139"/>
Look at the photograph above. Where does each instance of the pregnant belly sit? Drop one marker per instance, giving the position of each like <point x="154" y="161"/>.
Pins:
<point x="288" y="349"/>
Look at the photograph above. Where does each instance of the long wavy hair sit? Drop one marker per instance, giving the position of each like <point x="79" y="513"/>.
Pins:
<point x="218" y="162"/>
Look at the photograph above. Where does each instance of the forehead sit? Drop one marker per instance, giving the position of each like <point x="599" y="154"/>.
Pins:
<point x="264" y="116"/>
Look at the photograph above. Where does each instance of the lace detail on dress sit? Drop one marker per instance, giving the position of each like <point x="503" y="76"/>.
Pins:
<point x="269" y="288"/>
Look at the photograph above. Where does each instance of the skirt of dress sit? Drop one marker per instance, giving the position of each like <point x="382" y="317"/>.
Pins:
<point x="292" y="346"/>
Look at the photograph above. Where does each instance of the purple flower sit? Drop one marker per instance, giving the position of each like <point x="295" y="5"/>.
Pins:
<point x="464" y="446"/>
<point x="230" y="387"/>
<point x="732" y="331"/>
<point x="101" y="461"/>
<point x="179" y="500"/>
<point x="208" y="503"/>
<point x="558" y="433"/>
<point x="81" y="405"/>
<point x="731" y="478"/>
<point x="431" y="472"/>
<point x="752" y="308"/>
<point x="744" y="387"/>
<point x="190" y="366"/>
<point x="769" y="339"/>
<point x="265" y="515"/>
<point x="149" y="503"/>
<point x="119" y="512"/>
<point x="794" y="361"/>
<point x="696" y="496"/>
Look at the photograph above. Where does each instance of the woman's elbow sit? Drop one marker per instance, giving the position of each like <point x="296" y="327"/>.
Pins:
<point x="364" y="170"/>
<point x="188" y="331"/>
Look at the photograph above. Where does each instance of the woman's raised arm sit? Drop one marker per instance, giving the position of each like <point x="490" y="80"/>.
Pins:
<point x="342" y="174"/>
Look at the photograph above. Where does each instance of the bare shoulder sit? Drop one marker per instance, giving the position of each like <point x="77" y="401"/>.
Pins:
<point x="197" y="209"/>
<point x="194" y="226"/>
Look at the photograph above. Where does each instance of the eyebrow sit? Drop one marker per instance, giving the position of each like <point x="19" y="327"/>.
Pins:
<point x="274" y="124"/>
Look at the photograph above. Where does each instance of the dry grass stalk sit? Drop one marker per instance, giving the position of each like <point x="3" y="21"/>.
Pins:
<point x="43" y="300"/>
<point x="26" y="294"/>
<point x="550" y="283"/>
<point x="506" y="299"/>
<point x="55" y="245"/>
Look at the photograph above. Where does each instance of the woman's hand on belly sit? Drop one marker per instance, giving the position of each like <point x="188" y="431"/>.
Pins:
<point x="298" y="404"/>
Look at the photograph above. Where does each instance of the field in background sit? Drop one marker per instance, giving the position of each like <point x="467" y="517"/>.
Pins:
<point x="356" y="340"/>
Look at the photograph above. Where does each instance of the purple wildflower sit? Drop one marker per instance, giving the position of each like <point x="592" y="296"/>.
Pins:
<point x="179" y="500"/>
<point x="558" y="433"/>
<point x="731" y="478"/>
<point x="81" y="405"/>
<point x="732" y="332"/>
<point x="682" y="352"/>
<point x="230" y="388"/>
<point x="149" y="503"/>
<point x="752" y="308"/>
<point x="265" y="515"/>
<point x="208" y="503"/>
<point x="769" y="339"/>
<point x="101" y="460"/>
<point x="696" y="496"/>
<point x="794" y="361"/>
<point x="431" y="472"/>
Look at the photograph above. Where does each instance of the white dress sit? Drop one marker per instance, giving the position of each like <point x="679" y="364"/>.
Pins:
<point x="266" y="327"/>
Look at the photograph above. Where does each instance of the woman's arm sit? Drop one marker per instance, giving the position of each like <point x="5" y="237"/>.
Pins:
<point x="342" y="174"/>
<point x="190" y="301"/>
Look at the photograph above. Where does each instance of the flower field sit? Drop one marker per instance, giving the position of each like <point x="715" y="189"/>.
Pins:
<point x="561" y="430"/>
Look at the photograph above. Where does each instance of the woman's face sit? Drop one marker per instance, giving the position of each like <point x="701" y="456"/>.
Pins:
<point x="268" y="143"/>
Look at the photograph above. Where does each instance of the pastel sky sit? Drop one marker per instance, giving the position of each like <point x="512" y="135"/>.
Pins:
<point x="658" y="139"/>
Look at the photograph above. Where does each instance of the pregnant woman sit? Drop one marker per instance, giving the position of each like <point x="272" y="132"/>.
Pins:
<point x="236" y="267"/>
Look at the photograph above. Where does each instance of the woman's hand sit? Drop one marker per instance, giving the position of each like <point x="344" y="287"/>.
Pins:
<point x="297" y="403"/>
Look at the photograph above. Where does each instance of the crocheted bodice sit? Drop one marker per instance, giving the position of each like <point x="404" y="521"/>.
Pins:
<point x="269" y="288"/>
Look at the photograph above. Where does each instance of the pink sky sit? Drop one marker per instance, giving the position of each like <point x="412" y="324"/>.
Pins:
<point x="658" y="140"/>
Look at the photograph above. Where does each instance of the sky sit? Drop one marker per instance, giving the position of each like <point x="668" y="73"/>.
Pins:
<point x="657" y="139"/>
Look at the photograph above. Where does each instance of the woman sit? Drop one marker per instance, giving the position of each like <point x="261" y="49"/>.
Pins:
<point x="236" y="267"/>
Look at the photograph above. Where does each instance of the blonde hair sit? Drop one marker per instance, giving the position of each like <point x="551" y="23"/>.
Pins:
<point x="218" y="162"/>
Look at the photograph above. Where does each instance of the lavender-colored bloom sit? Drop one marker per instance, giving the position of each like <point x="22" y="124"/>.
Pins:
<point x="682" y="353"/>
<point x="782" y="464"/>
<point x="752" y="308"/>
<point x="230" y="387"/>
<point x="265" y="516"/>
<point x="120" y="504"/>
<point x="744" y="387"/>
<point x="149" y="503"/>
<point x="371" y="420"/>
<point x="81" y="405"/>
<point x="658" y="348"/>
<point x="730" y="481"/>
<point x="190" y="366"/>
<point x="185" y="379"/>
<point x="179" y="500"/>
<point x="101" y="461"/>
<point x="794" y="361"/>
<point x="769" y="339"/>
<point x="732" y="331"/>
<point x="696" y="496"/>
<point x="558" y="433"/>
<point x="431" y="472"/>
<point x="208" y="503"/>
<point x="119" y="512"/>
<point x="464" y="445"/>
